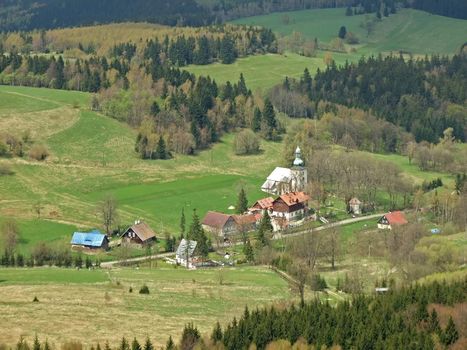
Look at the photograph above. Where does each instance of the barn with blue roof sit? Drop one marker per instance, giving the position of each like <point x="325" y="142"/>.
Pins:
<point x="90" y="240"/>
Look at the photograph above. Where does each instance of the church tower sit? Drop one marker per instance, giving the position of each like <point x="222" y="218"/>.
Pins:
<point x="299" y="172"/>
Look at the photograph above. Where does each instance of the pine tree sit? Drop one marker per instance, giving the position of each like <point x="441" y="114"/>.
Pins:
<point x="161" y="151"/>
<point x="148" y="345"/>
<point x="378" y="14"/>
<point x="46" y="345"/>
<point x="433" y="323"/>
<point x="269" y="117"/>
<point x="216" y="335"/>
<point x="170" y="344"/>
<point x="124" y="344"/>
<point x="135" y="345"/>
<point x="248" y="251"/>
<point x="196" y="233"/>
<point x="257" y="116"/>
<point x="450" y="334"/>
<point x="190" y="337"/>
<point x="241" y="87"/>
<point x="307" y="81"/>
<point x="155" y="109"/>
<point x="182" y="223"/>
<point x="342" y="32"/>
<point x="242" y="202"/>
<point x="348" y="11"/>
<point x="36" y="345"/>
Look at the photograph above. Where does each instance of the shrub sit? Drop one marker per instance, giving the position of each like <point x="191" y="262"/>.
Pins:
<point x="3" y="149"/>
<point x="130" y="290"/>
<point x="5" y="170"/>
<point x="144" y="290"/>
<point x="246" y="142"/>
<point x="38" y="152"/>
<point x="35" y="300"/>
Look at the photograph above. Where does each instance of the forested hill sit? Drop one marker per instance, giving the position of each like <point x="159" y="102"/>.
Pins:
<point x="46" y="14"/>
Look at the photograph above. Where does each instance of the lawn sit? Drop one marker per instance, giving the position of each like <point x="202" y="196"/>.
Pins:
<point x="96" y="306"/>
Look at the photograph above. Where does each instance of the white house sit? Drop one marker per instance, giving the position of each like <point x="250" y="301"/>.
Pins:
<point x="285" y="180"/>
<point x="185" y="253"/>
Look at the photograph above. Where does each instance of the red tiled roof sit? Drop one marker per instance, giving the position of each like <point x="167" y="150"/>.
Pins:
<point x="292" y="198"/>
<point x="248" y="219"/>
<point x="264" y="203"/>
<point x="215" y="219"/>
<point x="396" y="218"/>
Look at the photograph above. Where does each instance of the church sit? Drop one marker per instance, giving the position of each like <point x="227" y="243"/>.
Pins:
<point x="285" y="180"/>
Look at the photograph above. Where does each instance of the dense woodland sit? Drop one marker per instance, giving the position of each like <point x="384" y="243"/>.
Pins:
<point x="424" y="97"/>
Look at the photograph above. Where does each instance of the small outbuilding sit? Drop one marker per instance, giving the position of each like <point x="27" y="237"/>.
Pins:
<point x="185" y="253"/>
<point x="90" y="240"/>
<point x="355" y="206"/>
<point x="392" y="219"/>
<point x="140" y="233"/>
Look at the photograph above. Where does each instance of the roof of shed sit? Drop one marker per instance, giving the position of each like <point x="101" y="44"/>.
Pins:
<point x="396" y="218"/>
<point x="90" y="239"/>
<point x="143" y="231"/>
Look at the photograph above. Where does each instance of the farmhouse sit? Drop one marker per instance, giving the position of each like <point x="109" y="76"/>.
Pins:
<point x="291" y="206"/>
<point x="395" y="218"/>
<point x="354" y="206"/>
<point x="261" y="205"/>
<point x="284" y="180"/>
<point x="225" y="224"/>
<point x="185" y="253"/>
<point x="90" y="240"/>
<point x="140" y="233"/>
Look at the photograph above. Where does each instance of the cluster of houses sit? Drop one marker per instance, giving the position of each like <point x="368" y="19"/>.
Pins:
<point x="139" y="234"/>
<point x="288" y="205"/>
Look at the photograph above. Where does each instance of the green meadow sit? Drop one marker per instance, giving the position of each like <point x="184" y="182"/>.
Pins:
<point x="92" y="156"/>
<point x="410" y="31"/>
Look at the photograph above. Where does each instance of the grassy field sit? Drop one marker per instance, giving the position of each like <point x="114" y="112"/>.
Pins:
<point x="96" y="306"/>
<point x="92" y="156"/>
<point x="410" y="31"/>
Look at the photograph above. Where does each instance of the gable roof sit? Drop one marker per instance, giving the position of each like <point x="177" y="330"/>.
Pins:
<point x="142" y="230"/>
<point x="182" y="247"/>
<point x="89" y="239"/>
<point x="292" y="198"/>
<point x="396" y="218"/>
<point x="248" y="219"/>
<point x="264" y="203"/>
<point x="279" y="174"/>
<point x="215" y="219"/>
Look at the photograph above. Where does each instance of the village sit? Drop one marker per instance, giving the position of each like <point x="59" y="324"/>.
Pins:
<point x="287" y="207"/>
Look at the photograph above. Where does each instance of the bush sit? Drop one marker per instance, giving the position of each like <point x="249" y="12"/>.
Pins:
<point x="144" y="290"/>
<point x="35" y="300"/>
<point x="5" y="170"/>
<point x="351" y="39"/>
<point x="246" y="142"/>
<point x="38" y="152"/>
<point x="3" y="149"/>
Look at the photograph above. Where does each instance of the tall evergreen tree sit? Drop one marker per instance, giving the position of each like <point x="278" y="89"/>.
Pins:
<point x="161" y="150"/>
<point x="242" y="202"/>
<point x="196" y="233"/>
<point x="170" y="344"/>
<point x="256" y="123"/>
<point x="342" y="32"/>
<point x="450" y="334"/>
<point x="182" y="223"/>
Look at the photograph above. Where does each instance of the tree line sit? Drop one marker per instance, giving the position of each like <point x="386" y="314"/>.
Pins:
<point x="425" y="96"/>
<point x="449" y="8"/>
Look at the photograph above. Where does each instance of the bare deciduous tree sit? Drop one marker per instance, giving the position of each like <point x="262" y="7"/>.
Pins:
<point x="108" y="211"/>
<point x="10" y="233"/>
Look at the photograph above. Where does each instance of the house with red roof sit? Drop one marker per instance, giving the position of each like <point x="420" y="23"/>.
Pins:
<point x="291" y="206"/>
<point x="261" y="205"/>
<point x="392" y="219"/>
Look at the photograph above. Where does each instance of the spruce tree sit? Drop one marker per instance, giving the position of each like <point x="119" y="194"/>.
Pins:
<point x="196" y="233"/>
<point x="342" y="32"/>
<point x="450" y="334"/>
<point x="124" y="344"/>
<point x="155" y="109"/>
<point x="248" y="251"/>
<point x="135" y="345"/>
<point x="148" y="345"/>
<point x="433" y="323"/>
<point x="241" y="87"/>
<point x="216" y="335"/>
<point x="170" y="344"/>
<point x="269" y="117"/>
<point x="257" y="116"/>
<point x="36" y="345"/>
<point x="242" y="202"/>
<point x="161" y="151"/>
<point x="348" y="11"/>
<point x="182" y="223"/>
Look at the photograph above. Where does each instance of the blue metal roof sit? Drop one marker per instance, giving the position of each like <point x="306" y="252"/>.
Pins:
<point x="90" y="239"/>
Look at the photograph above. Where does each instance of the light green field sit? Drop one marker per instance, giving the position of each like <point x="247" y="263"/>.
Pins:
<point x="409" y="30"/>
<point x="92" y="156"/>
<point x="96" y="306"/>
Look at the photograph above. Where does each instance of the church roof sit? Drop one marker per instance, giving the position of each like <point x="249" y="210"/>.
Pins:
<point x="281" y="175"/>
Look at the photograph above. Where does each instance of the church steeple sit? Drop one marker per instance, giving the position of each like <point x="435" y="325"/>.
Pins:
<point x="298" y="158"/>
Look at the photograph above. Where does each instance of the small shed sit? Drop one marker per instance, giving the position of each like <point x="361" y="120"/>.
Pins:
<point x="185" y="252"/>
<point x="90" y="240"/>
<point x="140" y="233"/>
<point x="355" y="206"/>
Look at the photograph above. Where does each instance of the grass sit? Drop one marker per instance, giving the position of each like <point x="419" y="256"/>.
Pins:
<point x="409" y="30"/>
<point x="100" y="302"/>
